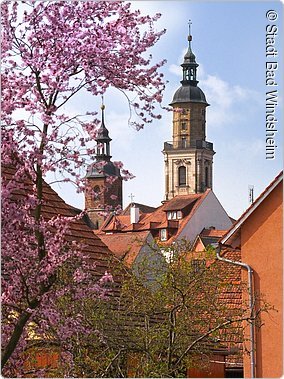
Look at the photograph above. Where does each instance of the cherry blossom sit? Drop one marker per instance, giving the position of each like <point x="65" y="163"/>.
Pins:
<point x="51" y="52"/>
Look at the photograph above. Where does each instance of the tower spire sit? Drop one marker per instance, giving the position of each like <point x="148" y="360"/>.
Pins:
<point x="103" y="139"/>
<point x="98" y="172"/>
<point x="189" y="65"/>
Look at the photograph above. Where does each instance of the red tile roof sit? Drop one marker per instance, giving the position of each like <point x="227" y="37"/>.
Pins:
<point x="208" y="237"/>
<point x="125" y="246"/>
<point x="158" y="219"/>
<point x="180" y="202"/>
<point x="231" y="296"/>
<point x="53" y="205"/>
<point x="212" y="233"/>
<point x="142" y="208"/>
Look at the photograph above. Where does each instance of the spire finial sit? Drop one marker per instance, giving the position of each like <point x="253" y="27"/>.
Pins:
<point x="189" y="32"/>
<point x="103" y="111"/>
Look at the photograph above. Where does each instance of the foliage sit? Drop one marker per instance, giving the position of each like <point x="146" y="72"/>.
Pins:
<point x="164" y="329"/>
<point x="51" y="52"/>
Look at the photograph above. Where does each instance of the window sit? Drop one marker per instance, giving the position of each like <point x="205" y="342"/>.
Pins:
<point x="183" y="126"/>
<point x="96" y="192"/>
<point x="179" y="214"/>
<point x="182" y="176"/>
<point x="172" y="215"/>
<point x="206" y="177"/>
<point x="163" y="235"/>
<point x="183" y="143"/>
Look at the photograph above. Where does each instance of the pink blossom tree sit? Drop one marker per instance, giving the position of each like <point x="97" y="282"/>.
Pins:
<point x="51" y="53"/>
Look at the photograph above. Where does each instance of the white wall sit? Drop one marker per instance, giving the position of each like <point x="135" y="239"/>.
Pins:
<point x="209" y="213"/>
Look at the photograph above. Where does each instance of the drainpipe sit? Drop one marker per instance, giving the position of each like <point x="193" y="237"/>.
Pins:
<point x="251" y="304"/>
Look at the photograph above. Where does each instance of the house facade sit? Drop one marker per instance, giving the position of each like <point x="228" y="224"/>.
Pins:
<point x="259" y="235"/>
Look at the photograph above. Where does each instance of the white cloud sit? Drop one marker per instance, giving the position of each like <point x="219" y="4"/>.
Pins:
<point x="224" y="98"/>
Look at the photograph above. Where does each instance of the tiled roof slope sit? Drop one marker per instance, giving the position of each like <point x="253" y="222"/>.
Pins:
<point x="231" y="296"/>
<point x="209" y="236"/>
<point x="92" y="246"/>
<point x="125" y="246"/>
<point x="180" y="202"/>
<point x="158" y="219"/>
<point x="142" y="208"/>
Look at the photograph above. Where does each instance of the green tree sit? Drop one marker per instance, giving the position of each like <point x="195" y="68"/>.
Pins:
<point x="163" y="329"/>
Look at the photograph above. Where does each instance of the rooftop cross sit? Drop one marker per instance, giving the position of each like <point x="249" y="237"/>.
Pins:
<point x="131" y="197"/>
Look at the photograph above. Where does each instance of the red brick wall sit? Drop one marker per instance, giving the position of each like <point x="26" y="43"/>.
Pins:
<point x="106" y="190"/>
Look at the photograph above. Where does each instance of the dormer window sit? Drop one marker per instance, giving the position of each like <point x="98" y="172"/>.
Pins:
<point x="179" y="214"/>
<point x="163" y="234"/>
<point x="172" y="215"/>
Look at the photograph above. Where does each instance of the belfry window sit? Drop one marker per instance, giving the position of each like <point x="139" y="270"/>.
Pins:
<point x="182" y="176"/>
<point x="183" y="125"/>
<point x="96" y="192"/>
<point x="186" y="74"/>
<point x="206" y="177"/>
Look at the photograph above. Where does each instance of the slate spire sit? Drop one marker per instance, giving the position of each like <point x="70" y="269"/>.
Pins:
<point x="103" y="140"/>
<point x="189" y="65"/>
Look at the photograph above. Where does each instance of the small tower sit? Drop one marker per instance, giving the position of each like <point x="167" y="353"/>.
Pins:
<point x="188" y="157"/>
<point x="104" y="179"/>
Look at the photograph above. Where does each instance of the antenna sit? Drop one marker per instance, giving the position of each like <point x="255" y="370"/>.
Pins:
<point x="251" y="193"/>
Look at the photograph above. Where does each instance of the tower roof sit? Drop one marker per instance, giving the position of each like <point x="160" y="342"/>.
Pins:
<point x="189" y="91"/>
<point x="103" y="166"/>
<point x="103" y="134"/>
<point x="189" y="94"/>
<point x="101" y="171"/>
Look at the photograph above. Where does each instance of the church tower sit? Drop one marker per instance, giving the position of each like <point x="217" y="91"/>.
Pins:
<point x="188" y="157"/>
<point x="103" y="179"/>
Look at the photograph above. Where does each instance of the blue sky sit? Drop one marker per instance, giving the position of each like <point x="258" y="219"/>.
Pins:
<point x="229" y="44"/>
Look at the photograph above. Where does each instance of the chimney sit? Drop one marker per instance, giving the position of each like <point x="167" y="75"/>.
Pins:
<point x="134" y="214"/>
